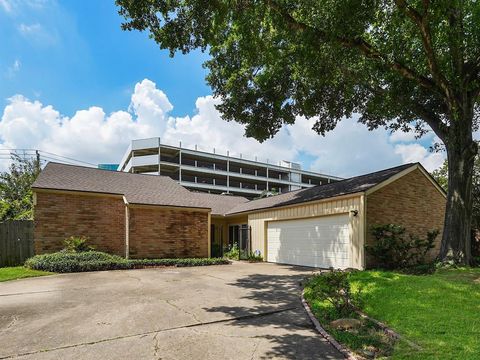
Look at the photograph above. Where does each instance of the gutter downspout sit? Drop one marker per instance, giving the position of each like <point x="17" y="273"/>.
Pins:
<point x="127" y="228"/>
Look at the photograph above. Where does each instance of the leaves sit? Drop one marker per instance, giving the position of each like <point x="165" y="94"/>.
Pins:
<point x="16" y="197"/>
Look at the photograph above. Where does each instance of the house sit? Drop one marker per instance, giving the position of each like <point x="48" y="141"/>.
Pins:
<point x="148" y="216"/>
<point x="217" y="173"/>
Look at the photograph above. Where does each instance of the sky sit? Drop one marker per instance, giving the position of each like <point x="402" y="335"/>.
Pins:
<point x="74" y="84"/>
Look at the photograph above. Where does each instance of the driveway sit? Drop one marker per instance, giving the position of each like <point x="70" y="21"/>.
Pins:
<point x="239" y="311"/>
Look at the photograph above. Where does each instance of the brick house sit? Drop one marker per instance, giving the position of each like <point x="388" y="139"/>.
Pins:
<point x="151" y="216"/>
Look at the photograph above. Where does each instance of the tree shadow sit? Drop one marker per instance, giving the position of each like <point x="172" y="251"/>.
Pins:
<point x="278" y="317"/>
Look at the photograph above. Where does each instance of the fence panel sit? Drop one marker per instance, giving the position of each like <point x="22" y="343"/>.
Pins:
<point x="16" y="242"/>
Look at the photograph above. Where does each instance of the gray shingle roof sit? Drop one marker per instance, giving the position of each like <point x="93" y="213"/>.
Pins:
<point x="220" y="204"/>
<point x="348" y="186"/>
<point x="137" y="188"/>
<point x="163" y="191"/>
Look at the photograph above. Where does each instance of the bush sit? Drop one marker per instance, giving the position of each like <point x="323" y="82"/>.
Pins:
<point x="233" y="253"/>
<point x="65" y="262"/>
<point x="178" y="262"/>
<point x="255" y="256"/>
<point x="334" y="287"/>
<point x="77" y="244"/>
<point x="393" y="249"/>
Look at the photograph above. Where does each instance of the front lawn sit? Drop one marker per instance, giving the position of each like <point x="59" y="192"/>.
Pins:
<point x="439" y="312"/>
<point x="19" y="272"/>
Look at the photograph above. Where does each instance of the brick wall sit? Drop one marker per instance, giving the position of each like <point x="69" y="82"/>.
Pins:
<point x="100" y="218"/>
<point x="411" y="201"/>
<point x="168" y="233"/>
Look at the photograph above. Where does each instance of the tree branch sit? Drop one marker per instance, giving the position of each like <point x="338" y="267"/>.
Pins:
<point x="367" y="49"/>
<point x="421" y="20"/>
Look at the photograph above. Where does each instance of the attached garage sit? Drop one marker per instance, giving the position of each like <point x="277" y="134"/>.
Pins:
<point x="318" y="242"/>
<point x="329" y="225"/>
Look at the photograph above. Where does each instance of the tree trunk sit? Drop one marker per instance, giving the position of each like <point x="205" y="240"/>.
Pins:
<point x="456" y="241"/>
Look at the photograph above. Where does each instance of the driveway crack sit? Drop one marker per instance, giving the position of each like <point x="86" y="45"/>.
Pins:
<point x="243" y="317"/>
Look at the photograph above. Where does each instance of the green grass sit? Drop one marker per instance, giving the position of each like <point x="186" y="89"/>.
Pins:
<point x="439" y="312"/>
<point x="19" y="272"/>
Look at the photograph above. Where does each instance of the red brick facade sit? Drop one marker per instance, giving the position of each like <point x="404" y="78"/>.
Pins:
<point x="154" y="232"/>
<point x="168" y="233"/>
<point x="411" y="201"/>
<point x="100" y="218"/>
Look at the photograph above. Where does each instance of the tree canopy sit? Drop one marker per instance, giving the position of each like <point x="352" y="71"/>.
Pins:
<point x="393" y="62"/>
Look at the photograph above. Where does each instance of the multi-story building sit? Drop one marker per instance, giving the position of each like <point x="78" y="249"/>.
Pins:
<point x="217" y="173"/>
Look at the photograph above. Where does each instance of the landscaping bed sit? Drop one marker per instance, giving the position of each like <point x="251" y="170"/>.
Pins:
<point x="65" y="262"/>
<point x="438" y="312"/>
<point x="19" y="272"/>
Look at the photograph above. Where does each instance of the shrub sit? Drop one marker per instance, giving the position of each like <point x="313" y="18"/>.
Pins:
<point x="178" y="262"/>
<point x="255" y="257"/>
<point x="64" y="262"/>
<point x="77" y="244"/>
<point x="393" y="249"/>
<point x="334" y="287"/>
<point x="233" y="253"/>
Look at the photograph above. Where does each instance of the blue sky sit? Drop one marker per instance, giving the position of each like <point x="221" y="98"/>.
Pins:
<point x="73" y="83"/>
<point x="73" y="54"/>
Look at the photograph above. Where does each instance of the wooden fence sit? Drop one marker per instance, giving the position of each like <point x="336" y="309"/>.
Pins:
<point x="16" y="242"/>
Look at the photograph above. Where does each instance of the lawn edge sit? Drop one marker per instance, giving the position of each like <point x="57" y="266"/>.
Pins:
<point x="345" y="351"/>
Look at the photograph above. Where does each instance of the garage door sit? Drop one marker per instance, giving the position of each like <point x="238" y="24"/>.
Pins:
<point x="320" y="242"/>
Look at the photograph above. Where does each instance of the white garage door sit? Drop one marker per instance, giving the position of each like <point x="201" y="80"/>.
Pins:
<point x="320" y="242"/>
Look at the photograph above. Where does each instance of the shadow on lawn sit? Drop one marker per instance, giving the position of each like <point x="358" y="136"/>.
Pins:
<point x="282" y="293"/>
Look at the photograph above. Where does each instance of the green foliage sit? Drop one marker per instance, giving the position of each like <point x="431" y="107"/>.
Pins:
<point x="233" y="253"/>
<point x="333" y="286"/>
<point x="179" y="262"/>
<point x="65" y="262"/>
<point x="252" y="257"/>
<point x="77" y="244"/>
<point x="16" y="197"/>
<point x="271" y="61"/>
<point x="393" y="249"/>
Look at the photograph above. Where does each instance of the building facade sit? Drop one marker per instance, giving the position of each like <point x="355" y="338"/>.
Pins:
<point x="216" y="173"/>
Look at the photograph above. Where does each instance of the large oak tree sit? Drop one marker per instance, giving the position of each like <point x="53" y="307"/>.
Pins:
<point x="394" y="62"/>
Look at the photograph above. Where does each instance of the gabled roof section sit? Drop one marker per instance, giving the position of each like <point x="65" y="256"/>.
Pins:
<point x="137" y="188"/>
<point x="357" y="184"/>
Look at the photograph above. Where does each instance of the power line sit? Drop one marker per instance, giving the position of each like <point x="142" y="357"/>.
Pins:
<point x="5" y="154"/>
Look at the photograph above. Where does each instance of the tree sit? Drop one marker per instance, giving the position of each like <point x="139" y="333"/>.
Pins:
<point x="397" y="63"/>
<point x="441" y="176"/>
<point x="16" y="197"/>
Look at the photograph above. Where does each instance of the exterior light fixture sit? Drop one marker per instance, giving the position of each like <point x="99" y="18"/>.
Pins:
<point x="354" y="212"/>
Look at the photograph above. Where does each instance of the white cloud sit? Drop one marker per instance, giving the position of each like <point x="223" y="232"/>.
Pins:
<point x="38" y="34"/>
<point x="14" y="68"/>
<point x="6" y="5"/>
<point x="93" y="136"/>
<point x="418" y="153"/>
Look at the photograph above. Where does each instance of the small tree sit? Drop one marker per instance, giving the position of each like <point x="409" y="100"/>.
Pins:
<point x="16" y="196"/>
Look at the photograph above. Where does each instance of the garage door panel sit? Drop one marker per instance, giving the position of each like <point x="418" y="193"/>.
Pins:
<point x="319" y="242"/>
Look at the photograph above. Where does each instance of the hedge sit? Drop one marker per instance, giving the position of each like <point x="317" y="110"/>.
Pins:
<point x="66" y="262"/>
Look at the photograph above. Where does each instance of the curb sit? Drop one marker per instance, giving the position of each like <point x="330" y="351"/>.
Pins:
<point x="388" y="331"/>
<point x="341" y="348"/>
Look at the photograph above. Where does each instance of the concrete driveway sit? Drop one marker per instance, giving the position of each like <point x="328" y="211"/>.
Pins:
<point x="239" y="311"/>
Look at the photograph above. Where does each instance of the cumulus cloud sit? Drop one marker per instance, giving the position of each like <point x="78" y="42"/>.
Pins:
<point x="92" y="135"/>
